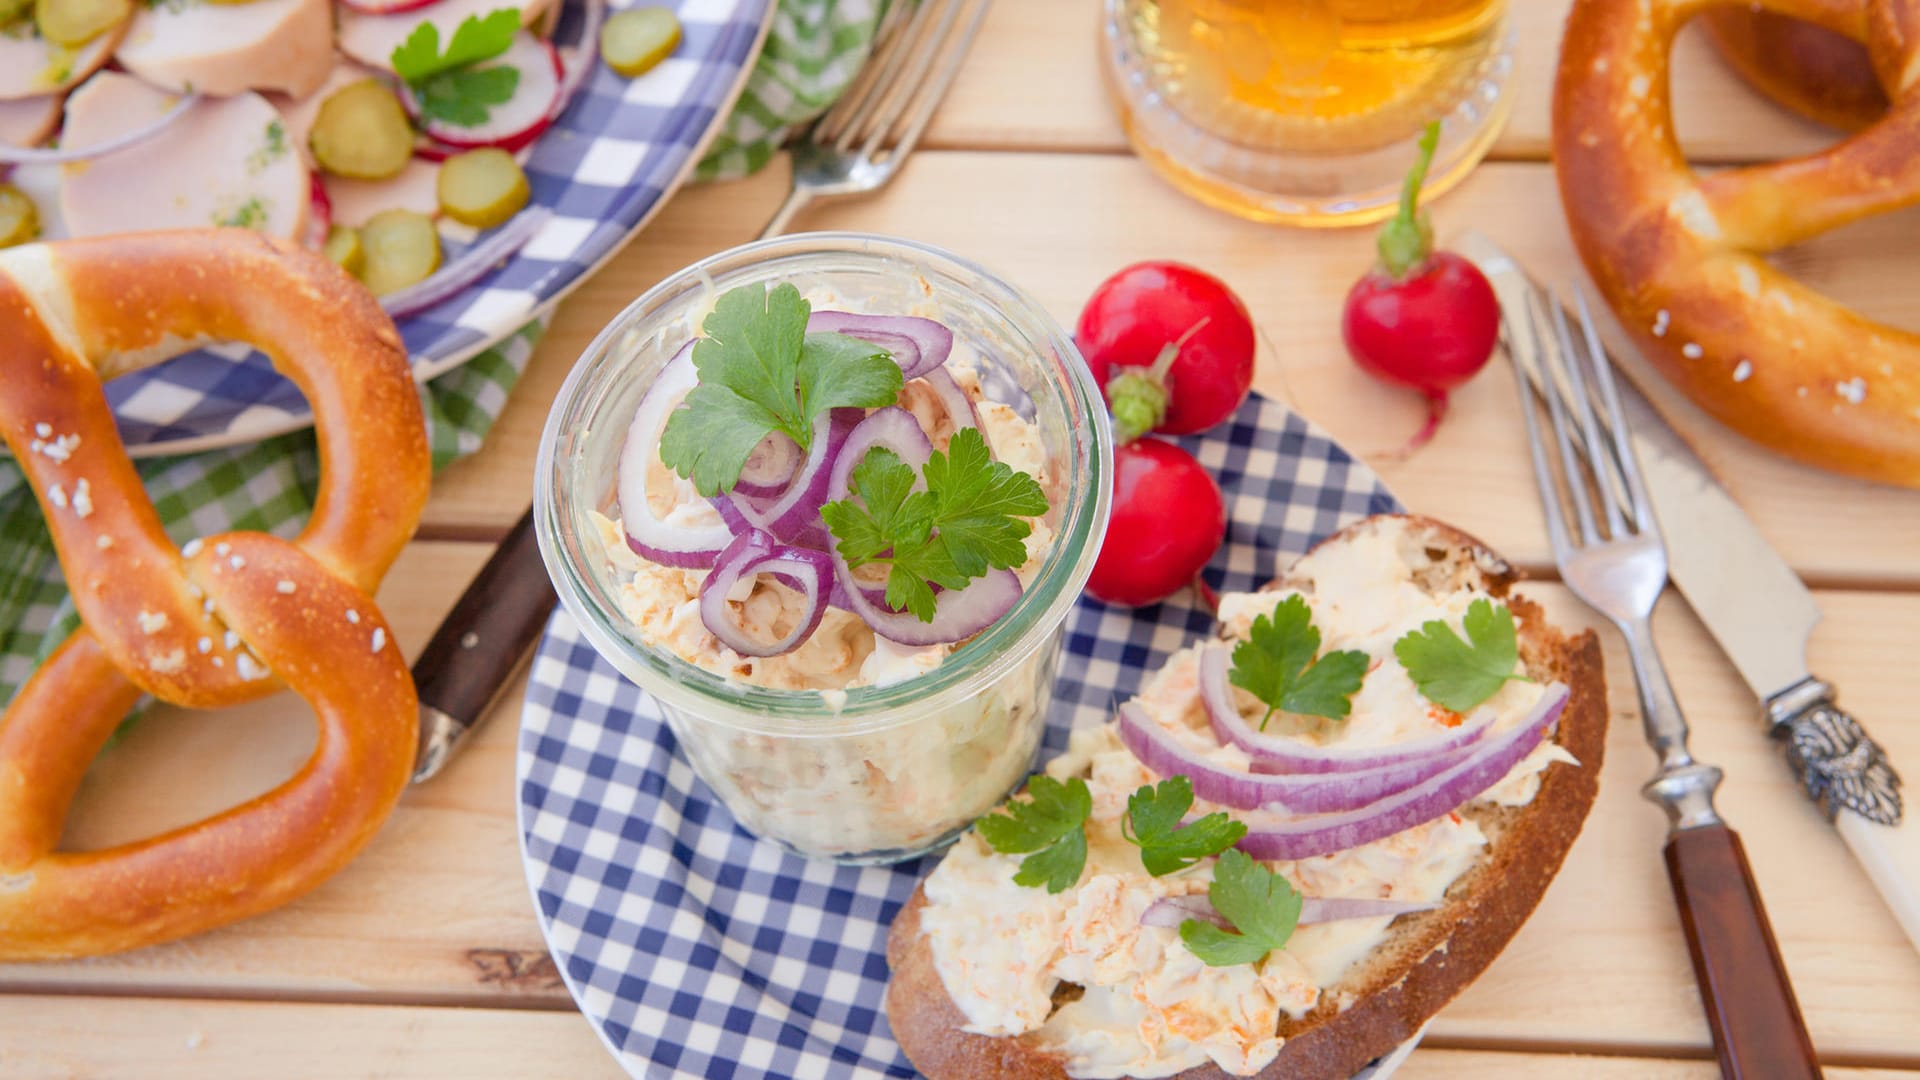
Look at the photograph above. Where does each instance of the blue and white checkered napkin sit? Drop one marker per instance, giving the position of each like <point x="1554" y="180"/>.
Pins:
<point x="698" y="951"/>
<point x="601" y="169"/>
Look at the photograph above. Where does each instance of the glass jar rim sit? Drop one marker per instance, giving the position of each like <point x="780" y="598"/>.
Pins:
<point x="990" y="655"/>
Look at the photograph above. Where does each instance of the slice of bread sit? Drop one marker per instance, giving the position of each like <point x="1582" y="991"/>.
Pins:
<point x="1426" y="958"/>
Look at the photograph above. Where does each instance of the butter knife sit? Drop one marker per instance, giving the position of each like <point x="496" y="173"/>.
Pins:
<point x="1762" y="615"/>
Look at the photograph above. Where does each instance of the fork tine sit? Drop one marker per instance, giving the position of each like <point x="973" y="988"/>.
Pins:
<point x="919" y="72"/>
<point x="934" y="89"/>
<point x="1553" y="364"/>
<point x="894" y="74"/>
<point x="891" y="42"/>
<point x="1622" y="444"/>
<point x="1583" y="418"/>
<point x="1536" y="445"/>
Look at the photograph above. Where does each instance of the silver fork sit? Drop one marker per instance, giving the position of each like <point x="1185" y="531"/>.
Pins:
<point x="1617" y="563"/>
<point x="858" y="145"/>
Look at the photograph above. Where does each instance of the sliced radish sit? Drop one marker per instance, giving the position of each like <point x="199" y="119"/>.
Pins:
<point x="371" y="38"/>
<point x="386" y="7"/>
<point x="319" y="215"/>
<point x="523" y="117"/>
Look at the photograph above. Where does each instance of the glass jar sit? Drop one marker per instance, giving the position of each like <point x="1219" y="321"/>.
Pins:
<point x="871" y="774"/>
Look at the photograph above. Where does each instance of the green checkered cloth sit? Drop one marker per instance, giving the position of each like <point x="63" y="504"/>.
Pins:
<point x="812" y="51"/>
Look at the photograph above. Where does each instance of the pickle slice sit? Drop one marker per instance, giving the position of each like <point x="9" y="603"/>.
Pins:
<point x="73" y="23"/>
<point x="344" y="248"/>
<point x="361" y="132"/>
<point x="19" y="218"/>
<point x="482" y="187"/>
<point x="14" y="9"/>
<point x="401" y="248"/>
<point x="634" y="40"/>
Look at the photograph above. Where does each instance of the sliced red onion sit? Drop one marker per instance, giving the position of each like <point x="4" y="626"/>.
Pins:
<point x="386" y="7"/>
<point x="771" y="467"/>
<point x="473" y="264"/>
<point x="1282" y="837"/>
<point x="892" y="428"/>
<point x="917" y="345"/>
<point x="755" y="552"/>
<point x="795" y="515"/>
<point x="1300" y="793"/>
<point x="1280" y="754"/>
<point x="28" y="155"/>
<point x="585" y="54"/>
<point x="1169" y="912"/>
<point x="652" y="538"/>
<point x="955" y="400"/>
<point x="958" y="614"/>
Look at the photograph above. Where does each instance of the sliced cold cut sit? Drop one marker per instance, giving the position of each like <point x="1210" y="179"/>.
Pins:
<point x="370" y="39"/>
<point x="299" y="112"/>
<point x="27" y="121"/>
<point x="30" y="65"/>
<point x="224" y="49"/>
<point x="415" y="189"/>
<point x="225" y="162"/>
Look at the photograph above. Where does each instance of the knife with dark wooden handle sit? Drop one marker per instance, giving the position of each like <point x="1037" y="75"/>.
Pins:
<point x="480" y="645"/>
<point x="1750" y="1005"/>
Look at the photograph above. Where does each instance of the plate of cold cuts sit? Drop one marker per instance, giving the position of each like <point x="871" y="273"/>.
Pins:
<point x="471" y="161"/>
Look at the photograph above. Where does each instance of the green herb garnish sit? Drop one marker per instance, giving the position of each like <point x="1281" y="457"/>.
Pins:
<point x="1153" y="823"/>
<point x="1049" y="828"/>
<point x="251" y="214"/>
<point x="1456" y="674"/>
<point x="1276" y="664"/>
<point x="1262" y="906"/>
<point x="447" y="85"/>
<point x="969" y="517"/>
<point x="273" y="147"/>
<point x="761" y="372"/>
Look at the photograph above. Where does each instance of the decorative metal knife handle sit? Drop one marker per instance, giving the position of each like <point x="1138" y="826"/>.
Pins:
<point x="1834" y="757"/>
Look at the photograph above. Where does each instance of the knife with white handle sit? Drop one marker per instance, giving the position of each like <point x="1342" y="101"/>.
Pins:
<point x="1762" y="615"/>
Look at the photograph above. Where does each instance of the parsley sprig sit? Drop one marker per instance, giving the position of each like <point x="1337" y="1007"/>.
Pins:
<point x="449" y="85"/>
<point x="1262" y="906"/>
<point x="761" y="372"/>
<point x="968" y="517"/>
<point x="1276" y="664"/>
<point x="1153" y="824"/>
<point x="1456" y="674"/>
<point x="1048" y="828"/>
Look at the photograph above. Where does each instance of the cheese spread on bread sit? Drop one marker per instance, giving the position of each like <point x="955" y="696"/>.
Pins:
<point x="1079" y="975"/>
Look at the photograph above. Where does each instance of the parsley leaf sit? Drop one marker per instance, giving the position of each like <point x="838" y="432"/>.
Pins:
<point x="967" y="520"/>
<point x="463" y="97"/>
<point x="1452" y="673"/>
<point x="1153" y="823"/>
<point x="1048" y="829"/>
<point x="478" y="37"/>
<point x="1259" y="903"/>
<point x="1276" y="664"/>
<point x="760" y="372"/>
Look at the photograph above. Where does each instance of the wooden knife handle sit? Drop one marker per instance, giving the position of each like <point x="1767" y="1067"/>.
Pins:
<point x="493" y="624"/>
<point x="1757" y="1030"/>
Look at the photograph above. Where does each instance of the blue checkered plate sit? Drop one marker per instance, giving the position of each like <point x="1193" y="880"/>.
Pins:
<point x="607" y="163"/>
<point x="699" y="951"/>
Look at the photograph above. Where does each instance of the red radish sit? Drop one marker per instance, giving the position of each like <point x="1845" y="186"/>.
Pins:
<point x="1168" y="520"/>
<point x="1171" y="345"/>
<point x="386" y="7"/>
<point x="319" y="215"/>
<point x="1423" y="319"/>
<point x="522" y="118"/>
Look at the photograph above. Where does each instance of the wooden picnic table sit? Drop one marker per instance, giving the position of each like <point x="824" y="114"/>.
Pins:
<point x="423" y="959"/>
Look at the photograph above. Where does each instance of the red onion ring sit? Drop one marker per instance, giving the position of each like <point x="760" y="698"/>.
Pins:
<point x="26" y="155"/>
<point x="755" y="552"/>
<point x="770" y="468"/>
<point x="958" y="614"/>
<point x="1276" y="837"/>
<point x="795" y="516"/>
<point x="586" y="54"/>
<point x="1169" y="912"/>
<point x="473" y="264"/>
<point x="955" y="400"/>
<point x="892" y="428"/>
<point x="917" y="345"/>
<point x="1280" y="754"/>
<point x="647" y="535"/>
<point x="1300" y="793"/>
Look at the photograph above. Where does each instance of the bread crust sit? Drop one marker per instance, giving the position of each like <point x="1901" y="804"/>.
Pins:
<point x="1453" y="944"/>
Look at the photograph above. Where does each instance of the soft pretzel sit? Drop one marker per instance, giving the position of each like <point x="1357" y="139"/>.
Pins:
<point x="1680" y="256"/>
<point x="226" y="619"/>
<point x="1812" y="70"/>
